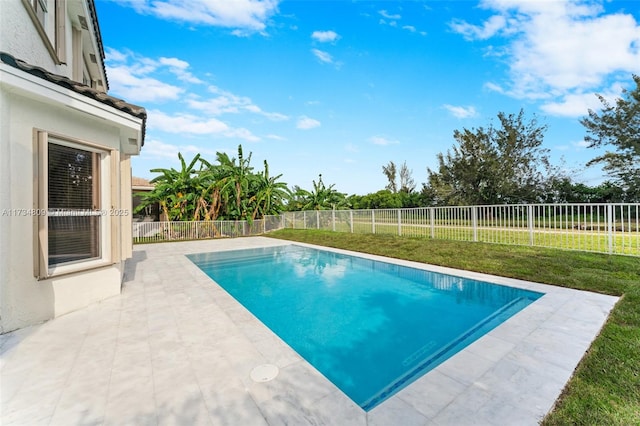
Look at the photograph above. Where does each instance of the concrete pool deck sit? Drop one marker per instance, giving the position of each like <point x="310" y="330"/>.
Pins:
<point x="174" y="348"/>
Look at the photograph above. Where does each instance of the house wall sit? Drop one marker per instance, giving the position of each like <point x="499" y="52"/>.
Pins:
<point x="26" y="300"/>
<point x="29" y="104"/>
<point x="66" y="50"/>
<point x="17" y="34"/>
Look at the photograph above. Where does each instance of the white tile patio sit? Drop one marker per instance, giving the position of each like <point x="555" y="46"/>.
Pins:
<point x="176" y="349"/>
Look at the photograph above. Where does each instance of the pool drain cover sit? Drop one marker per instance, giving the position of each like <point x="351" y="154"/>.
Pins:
<point x="264" y="373"/>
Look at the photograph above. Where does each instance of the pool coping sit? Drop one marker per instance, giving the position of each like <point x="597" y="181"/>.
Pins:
<point x="178" y="344"/>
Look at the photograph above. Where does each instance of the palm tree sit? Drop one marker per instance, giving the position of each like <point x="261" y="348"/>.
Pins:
<point x="228" y="190"/>
<point x="174" y="190"/>
<point x="321" y="197"/>
<point x="269" y="195"/>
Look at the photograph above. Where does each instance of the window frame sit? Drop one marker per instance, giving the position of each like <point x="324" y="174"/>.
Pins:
<point x="55" y="41"/>
<point x="40" y="8"/>
<point x="105" y="158"/>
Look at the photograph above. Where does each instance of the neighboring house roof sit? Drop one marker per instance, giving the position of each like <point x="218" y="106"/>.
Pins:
<point x="141" y="183"/>
<point x="131" y="109"/>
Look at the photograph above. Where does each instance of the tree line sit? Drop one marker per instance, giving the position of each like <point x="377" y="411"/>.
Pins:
<point x="503" y="163"/>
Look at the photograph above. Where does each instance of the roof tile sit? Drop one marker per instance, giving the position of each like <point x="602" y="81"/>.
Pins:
<point x="83" y="89"/>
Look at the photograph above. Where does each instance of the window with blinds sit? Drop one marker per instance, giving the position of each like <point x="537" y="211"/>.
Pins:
<point x="73" y="214"/>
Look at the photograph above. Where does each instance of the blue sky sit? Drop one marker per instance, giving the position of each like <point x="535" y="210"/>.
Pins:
<point x="343" y="87"/>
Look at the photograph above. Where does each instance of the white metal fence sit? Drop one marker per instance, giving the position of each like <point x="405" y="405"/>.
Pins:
<point x="605" y="228"/>
<point x="149" y="232"/>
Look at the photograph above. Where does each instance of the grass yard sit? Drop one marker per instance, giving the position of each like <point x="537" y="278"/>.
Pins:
<point x="627" y="243"/>
<point x="605" y="388"/>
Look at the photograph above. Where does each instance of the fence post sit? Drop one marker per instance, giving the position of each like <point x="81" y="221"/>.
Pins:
<point x="432" y="222"/>
<point x="399" y="223"/>
<point x="317" y="219"/>
<point x="333" y="220"/>
<point x="474" y="222"/>
<point x="530" y="223"/>
<point x="304" y="219"/>
<point x="610" y="227"/>
<point x="264" y="224"/>
<point x="351" y="220"/>
<point x="373" y="221"/>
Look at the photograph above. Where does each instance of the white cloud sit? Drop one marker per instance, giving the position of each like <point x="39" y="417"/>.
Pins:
<point x="461" y="111"/>
<point x="572" y="57"/>
<point x="174" y="63"/>
<point x="138" y="79"/>
<point x="306" y="123"/>
<point x="219" y="105"/>
<point x="325" y="36"/>
<point x="572" y="105"/>
<point x="115" y="55"/>
<point x="184" y="123"/>
<point x="579" y="104"/>
<point x="241" y="133"/>
<point x="227" y="103"/>
<point x="275" y="137"/>
<point x="130" y="76"/>
<point x="157" y="149"/>
<point x="322" y="56"/>
<point x="192" y="125"/>
<point x="351" y="148"/>
<point x="392" y="21"/>
<point x="573" y="146"/>
<point x="379" y="140"/>
<point x="242" y="15"/>
<point x="179" y="68"/>
<point x="493" y="87"/>
<point x="559" y="51"/>
<point x="387" y="15"/>
<point x="124" y="82"/>
<point x="479" y="32"/>
<point x="273" y="116"/>
<point x="133" y="78"/>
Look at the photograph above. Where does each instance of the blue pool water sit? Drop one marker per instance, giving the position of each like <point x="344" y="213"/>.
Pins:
<point x="370" y="327"/>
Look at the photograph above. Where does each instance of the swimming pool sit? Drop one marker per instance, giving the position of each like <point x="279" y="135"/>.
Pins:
<point x="370" y="327"/>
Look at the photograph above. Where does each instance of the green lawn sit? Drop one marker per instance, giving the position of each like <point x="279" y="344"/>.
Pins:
<point x="605" y="388"/>
<point x="595" y="240"/>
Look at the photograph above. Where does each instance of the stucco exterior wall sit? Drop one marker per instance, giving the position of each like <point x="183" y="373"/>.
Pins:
<point x="17" y="34"/>
<point x="25" y="299"/>
<point x="31" y="103"/>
